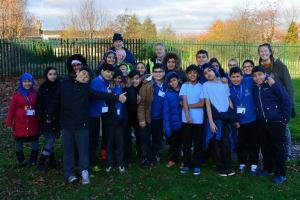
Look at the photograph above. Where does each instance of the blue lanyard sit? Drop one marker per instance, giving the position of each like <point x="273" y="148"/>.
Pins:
<point x="239" y="94"/>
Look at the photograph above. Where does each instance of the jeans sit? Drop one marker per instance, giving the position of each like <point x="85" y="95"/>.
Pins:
<point x="80" y="139"/>
<point x="49" y="143"/>
<point x="288" y="142"/>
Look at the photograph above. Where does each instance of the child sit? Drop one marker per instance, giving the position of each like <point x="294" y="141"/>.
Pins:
<point x="133" y="99"/>
<point x="192" y="118"/>
<point x="74" y="63"/>
<point x="109" y="57"/>
<point x="201" y="59"/>
<point x="220" y="116"/>
<point x="172" y="117"/>
<point x="74" y="98"/>
<point x="243" y="102"/>
<point x="273" y="113"/>
<point x="98" y="110"/>
<point x="247" y="68"/>
<point x="49" y="130"/>
<point x="171" y="62"/>
<point x="22" y="118"/>
<point x="116" y="121"/>
<point x="125" y="68"/>
<point x="150" y="116"/>
<point x="218" y="67"/>
<point x="141" y="68"/>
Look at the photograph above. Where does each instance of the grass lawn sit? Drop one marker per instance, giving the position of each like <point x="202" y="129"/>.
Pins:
<point x="138" y="183"/>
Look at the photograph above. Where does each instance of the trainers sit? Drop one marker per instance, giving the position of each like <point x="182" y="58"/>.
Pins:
<point x="231" y="173"/>
<point x="279" y="179"/>
<point x="96" y="168"/>
<point x="72" y="179"/>
<point x="121" y="169"/>
<point x="145" y="163"/>
<point x="196" y="171"/>
<point x="108" y="169"/>
<point x="170" y="164"/>
<point x="222" y="173"/>
<point x="85" y="177"/>
<point x="184" y="170"/>
<point x="156" y="160"/>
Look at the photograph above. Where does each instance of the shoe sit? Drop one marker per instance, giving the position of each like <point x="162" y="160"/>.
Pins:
<point x="72" y="179"/>
<point x="85" y="177"/>
<point x="184" y="170"/>
<point x="156" y="160"/>
<point x="181" y="165"/>
<point x="103" y="154"/>
<point x="231" y="173"/>
<point x="170" y="164"/>
<point x="263" y="173"/>
<point x="21" y="159"/>
<point x="41" y="164"/>
<point x="254" y="170"/>
<point x="33" y="157"/>
<point x="108" y="169"/>
<point x="222" y="173"/>
<point x="121" y="169"/>
<point x="145" y="163"/>
<point x="96" y="168"/>
<point x="279" y="179"/>
<point x="242" y="169"/>
<point x="196" y="171"/>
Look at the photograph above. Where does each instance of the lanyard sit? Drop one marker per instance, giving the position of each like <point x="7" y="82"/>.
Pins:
<point x="239" y="94"/>
<point x="28" y="100"/>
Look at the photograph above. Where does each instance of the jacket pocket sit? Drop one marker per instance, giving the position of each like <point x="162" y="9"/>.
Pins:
<point x="274" y="113"/>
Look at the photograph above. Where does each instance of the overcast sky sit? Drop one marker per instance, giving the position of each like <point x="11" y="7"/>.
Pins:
<point x="185" y="16"/>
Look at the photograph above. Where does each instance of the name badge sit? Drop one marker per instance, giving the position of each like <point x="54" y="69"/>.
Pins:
<point x="161" y="93"/>
<point x="104" y="109"/>
<point x="241" y="110"/>
<point x="30" y="112"/>
<point x="118" y="112"/>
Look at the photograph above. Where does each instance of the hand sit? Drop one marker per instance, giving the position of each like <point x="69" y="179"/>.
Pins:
<point x="271" y="81"/>
<point x="181" y="103"/>
<point x="213" y="127"/>
<point x="48" y="121"/>
<point x="237" y="125"/>
<point x="189" y="120"/>
<point x="123" y="98"/>
<point x="224" y="80"/>
<point x="142" y="124"/>
<point x="138" y="99"/>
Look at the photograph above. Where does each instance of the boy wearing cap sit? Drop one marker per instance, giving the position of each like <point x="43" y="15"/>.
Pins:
<point x="192" y="119"/>
<point x="73" y="96"/>
<point x="220" y="116"/>
<point x="172" y="117"/>
<point x="98" y="108"/>
<point x="274" y="109"/>
<point x="150" y="116"/>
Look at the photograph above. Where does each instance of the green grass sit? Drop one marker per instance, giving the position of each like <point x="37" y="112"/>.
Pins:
<point x="137" y="183"/>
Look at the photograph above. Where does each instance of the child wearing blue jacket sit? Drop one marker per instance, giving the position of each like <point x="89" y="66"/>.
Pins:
<point x="244" y="106"/>
<point x="273" y="113"/>
<point x="98" y="108"/>
<point x="172" y="117"/>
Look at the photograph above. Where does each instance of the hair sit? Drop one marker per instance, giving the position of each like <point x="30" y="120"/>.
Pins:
<point x="248" y="61"/>
<point x="133" y="73"/>
<point x="235" y="70"/>
<point x="202" y="51"/>
<point x="221" y="70"/>
<point x="121" y="51"/>
<point x="158" y="66"/>
<point x="270" y="49"/>
<point x="233" y="59"/>
<point x="109" y="67"/>
<point x="47" y="69"/>
<point x="191" y="68"/>
<point x="170" y="55"/>
<point x="159" y="44"/>
<point x="258" y="69"/>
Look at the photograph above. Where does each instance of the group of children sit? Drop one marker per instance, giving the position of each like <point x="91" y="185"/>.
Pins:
<point x="201" y="109"/>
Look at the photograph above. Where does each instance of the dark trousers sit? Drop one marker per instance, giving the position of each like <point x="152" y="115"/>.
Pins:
<point x="94" y="133"/>
<point x="221" y="150"/>
<point x="247" y="148"/>
<point x="151" y="139"/>
<point x="104" y="131"/>
<point x="192" y="135"/>
<point x="132" y="124"/>
<point x="272" y="142"/>
<point x="175" y="145"/>
<point x="115" y="138"/>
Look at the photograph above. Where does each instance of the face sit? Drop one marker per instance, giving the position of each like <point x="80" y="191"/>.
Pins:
<point x="111" y="59"/>
<point x="159" y="51"/>
<point x="158" y="74"/>
<point x="118" y="80"/>
<point x="209" y="74"/>
<point x="135" y="80"/>
<point x="82" y="76"/>
<point x="174" y="83"/>
<point x="192" y="75"/>
<point x="52" y="75"/>
<point x="107" y="74"/>
<point x="264" y="53"/>
<point x="118" y="44"/>
<point x="236" y="78"/>
<point x="259" y="77"/>
<point x="141" y="68"/>
<point x="216" y="66"/>
<point x="232" y="63"/>
<point x="171" y="64"/>
<point x="120" y="56"/>
<point x="76" y="67"/>
<point x="247" y="68"/>
<point x="124" y="70"/>
<point x="201" y="59"/>
<point x="27" y="84"/>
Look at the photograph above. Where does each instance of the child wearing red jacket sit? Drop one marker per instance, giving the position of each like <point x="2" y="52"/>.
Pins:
<point x="22" y="119"/>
